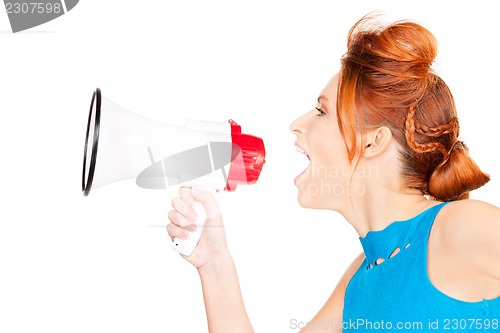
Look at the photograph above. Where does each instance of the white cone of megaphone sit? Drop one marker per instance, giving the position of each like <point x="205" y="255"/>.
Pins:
<point x="122" y="145"/>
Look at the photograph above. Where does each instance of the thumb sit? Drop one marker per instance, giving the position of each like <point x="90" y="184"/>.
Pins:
<point x="208" y="201"/>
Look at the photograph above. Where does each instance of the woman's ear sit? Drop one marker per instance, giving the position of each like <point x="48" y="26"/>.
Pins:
<point x="377" y="141"/>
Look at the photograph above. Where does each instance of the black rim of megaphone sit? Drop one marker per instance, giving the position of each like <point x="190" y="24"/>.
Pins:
<point x="96" y="98"/>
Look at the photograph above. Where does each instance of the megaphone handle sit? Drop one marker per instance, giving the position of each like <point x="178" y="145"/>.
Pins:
<point x="187" y="246"/>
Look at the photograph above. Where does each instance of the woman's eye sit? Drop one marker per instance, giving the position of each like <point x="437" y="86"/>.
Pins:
<point x="321" y="112"/>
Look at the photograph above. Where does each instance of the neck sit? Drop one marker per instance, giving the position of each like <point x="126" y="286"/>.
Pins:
<point x="376" y="210"/>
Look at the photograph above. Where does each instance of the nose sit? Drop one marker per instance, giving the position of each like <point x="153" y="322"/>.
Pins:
<point x="298" y="125"/>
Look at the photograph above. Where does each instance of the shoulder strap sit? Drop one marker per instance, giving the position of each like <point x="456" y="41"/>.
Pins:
<point x="421" y="236"/>
<point x="426" y="221"/>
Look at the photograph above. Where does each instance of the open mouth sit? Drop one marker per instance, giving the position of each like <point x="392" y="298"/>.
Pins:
<point x="301" y="151"/>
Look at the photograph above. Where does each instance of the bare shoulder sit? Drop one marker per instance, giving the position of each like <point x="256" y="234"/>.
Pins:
<point x="465" y="220"/>
<point x="472" y="209"/>
<point x="464" y="245"/>
<point x="351" y="270"/>
<point x="332" y="310"/>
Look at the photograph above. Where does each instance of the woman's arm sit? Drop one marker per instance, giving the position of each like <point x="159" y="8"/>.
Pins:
<point x="222" y="294"/>
<point x="221" y="289"/>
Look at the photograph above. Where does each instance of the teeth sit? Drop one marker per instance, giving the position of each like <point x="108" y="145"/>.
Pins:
<point x="298" y="150"/>
<point x="301" y="151"/>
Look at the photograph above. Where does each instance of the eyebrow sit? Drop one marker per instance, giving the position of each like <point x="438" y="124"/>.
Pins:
<point x="326" y="102"/>
<point x="322" y="96"/>
<point x="327" y="105"/>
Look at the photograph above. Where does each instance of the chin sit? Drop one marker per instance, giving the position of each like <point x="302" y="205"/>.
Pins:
<point x="318" y="201"/>
<point x="308" y="201"/>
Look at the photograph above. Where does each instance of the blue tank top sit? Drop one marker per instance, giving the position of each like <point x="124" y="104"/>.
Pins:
<point x="397" y="295"/>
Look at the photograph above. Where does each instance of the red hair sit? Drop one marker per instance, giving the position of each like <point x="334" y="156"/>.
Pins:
<point x="386" y="80"/>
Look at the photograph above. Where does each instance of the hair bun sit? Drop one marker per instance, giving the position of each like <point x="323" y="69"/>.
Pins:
<point x="459" y="170"/>
<point x="392" y="46"/>
<point x="415" y="42"/>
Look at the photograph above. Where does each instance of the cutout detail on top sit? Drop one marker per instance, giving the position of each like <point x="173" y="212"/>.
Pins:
<point x="392" y="255"/>
<point x="395" y="252"/>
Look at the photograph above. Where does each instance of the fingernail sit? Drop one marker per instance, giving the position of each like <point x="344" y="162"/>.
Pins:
<point x="184" y="234"/>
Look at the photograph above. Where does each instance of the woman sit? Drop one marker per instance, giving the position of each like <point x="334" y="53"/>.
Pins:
<point x="384" y="152"/>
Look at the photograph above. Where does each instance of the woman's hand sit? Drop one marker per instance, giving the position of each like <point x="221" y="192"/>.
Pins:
<point x="212" y="242"/>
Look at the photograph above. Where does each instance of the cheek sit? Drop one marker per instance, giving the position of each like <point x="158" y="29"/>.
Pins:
<point x="329" y="151"/>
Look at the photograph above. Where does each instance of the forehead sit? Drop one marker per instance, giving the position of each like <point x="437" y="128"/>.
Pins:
<point x="329" y="93"/>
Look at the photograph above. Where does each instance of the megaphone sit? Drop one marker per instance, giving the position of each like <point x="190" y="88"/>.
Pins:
<point x="122" y="145"/>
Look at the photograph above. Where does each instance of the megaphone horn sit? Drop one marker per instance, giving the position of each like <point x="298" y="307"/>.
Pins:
<point x="121" y="145"/>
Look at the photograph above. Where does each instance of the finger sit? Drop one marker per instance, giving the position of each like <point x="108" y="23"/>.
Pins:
<point x="181" y="221"/>
<point x="185" y="194"/>
<point x="175" y="231"/>
<point x="208" y="201"/>
<point x="185" y="209"/>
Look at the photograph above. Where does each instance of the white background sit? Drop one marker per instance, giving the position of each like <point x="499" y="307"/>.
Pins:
<point x="100" y="264"/>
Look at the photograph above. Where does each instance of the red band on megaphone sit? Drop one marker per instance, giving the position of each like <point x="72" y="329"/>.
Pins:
<point x="245" y="168"/>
